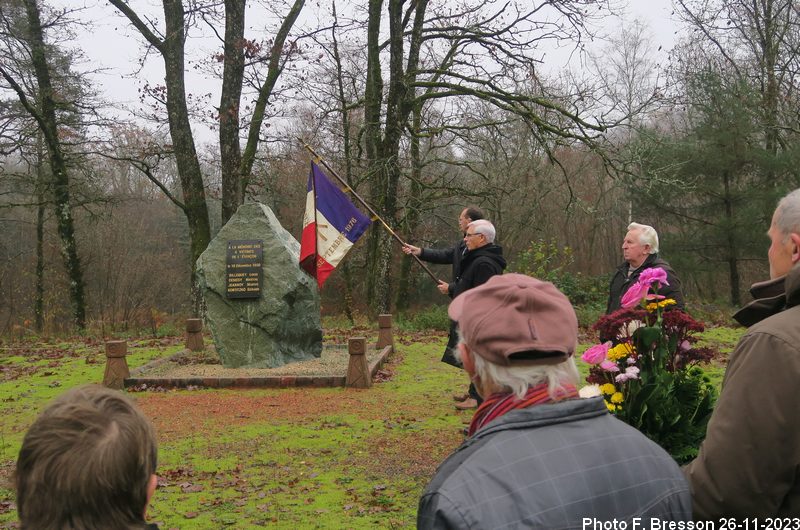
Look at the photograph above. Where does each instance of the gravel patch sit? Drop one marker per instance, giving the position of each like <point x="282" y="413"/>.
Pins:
<point x="187" y="365"/>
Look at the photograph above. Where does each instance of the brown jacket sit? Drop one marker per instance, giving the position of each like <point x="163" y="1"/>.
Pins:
<point x="749" y="463"/>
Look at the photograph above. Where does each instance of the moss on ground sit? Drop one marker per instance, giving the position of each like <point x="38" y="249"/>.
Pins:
<point x="292" y="458"/>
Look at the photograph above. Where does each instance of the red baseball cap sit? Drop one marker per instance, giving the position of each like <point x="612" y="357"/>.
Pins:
<point x="516" y="319"/>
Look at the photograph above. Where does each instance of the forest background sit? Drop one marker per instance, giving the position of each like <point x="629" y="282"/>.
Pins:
<point x="423" y="107"/>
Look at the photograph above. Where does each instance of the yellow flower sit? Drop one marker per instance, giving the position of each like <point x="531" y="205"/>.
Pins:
<point x="608" y="388"/>
<point x="611" y="407"/>
<point x="652" y="306"/>
<point x="617" y="397"/>
<point x="621" y="350"/>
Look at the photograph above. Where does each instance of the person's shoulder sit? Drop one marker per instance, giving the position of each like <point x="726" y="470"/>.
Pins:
<point x="784" y="325"/>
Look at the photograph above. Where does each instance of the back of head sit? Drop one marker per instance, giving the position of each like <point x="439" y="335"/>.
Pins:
<point x="474" y="213"/>
<point x="85" y="463"/>
<point x="787" y="214"/>
<point x="521" y="331"/>
<point x="647" y="235"/>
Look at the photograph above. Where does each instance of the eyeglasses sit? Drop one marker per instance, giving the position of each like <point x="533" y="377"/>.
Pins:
<point x="471" y="235"/>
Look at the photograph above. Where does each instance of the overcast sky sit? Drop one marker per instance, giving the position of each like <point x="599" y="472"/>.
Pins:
<point x="116" y="48"/>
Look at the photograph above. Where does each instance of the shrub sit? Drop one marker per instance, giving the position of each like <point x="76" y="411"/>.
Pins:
<point x="547" y="261"/>
<point x="433" y="317"/>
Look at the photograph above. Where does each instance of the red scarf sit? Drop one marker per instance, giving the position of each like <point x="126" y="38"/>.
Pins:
<point x="498" y="404"/>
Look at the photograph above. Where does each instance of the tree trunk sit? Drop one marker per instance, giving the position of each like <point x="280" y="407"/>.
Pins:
<point x="38" y="307"/>
<point x="404" y="283"/>
<point x="733" y="265"/>
<point x="58" y="165"/>
<point x="345" y="116"/>
<point x="232" y="75"/>
<point x="191" y="177"/>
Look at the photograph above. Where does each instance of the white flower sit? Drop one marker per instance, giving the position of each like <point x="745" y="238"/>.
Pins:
<point x="590" y="391"/>
<point x="629" y="328"/>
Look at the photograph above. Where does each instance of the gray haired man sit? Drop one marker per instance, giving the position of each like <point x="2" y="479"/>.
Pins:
<point x="640" y="251"/>
<point x="749" y="463"/>
<point x="538" y="456"/>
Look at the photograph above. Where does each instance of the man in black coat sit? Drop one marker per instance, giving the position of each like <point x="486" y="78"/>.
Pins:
<point x="451" y="255"/>
<point x="640" y="250"/>
<point x="459" y="256"/>
<point x="482" y="260"/>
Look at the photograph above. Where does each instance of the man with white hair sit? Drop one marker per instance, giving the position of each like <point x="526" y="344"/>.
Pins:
<point x="482" y="260"/>
<point x="538" y="456"/>
<point x="452" y="256"/>
<point x="748" y="464"/>
<point x="640" y="251"/>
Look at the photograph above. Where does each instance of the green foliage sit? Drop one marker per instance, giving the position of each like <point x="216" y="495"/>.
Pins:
<point x="671" y="408"/>
<point x="431" y="318"/>
<point x="650" y="377"/>
<point x="548" y="261"/>
<point x="714" y="184"/>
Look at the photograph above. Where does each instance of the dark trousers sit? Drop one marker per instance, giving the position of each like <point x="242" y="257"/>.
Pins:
<point x="450" y="357"/>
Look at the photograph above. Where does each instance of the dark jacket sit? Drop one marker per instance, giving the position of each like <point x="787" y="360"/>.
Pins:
<point x="620" y="283"/>
<point x="749" y="463"/>
<point x="550" y="466"/>
<point x="444" y="256"/>
<point x="477" y="266"/>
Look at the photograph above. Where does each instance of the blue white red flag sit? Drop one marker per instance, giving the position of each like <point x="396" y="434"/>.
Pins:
<point x="331" y="225"/>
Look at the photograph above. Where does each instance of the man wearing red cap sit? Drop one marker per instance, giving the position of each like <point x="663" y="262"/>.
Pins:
<point x="538" y="456"/>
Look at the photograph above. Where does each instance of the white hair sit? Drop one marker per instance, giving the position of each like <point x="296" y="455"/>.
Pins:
<point x="517" y="379"/>
<point x="647" y="235"/>
<point x="482" y="226"/>
<point x="787" y="215"/>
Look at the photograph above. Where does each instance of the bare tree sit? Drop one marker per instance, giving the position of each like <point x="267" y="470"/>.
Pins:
<point x="240" y="53"/>
<point x="760" y="43"/>
<point x="24" y="33"/>
<point x="170" y="44"/>
<point x="485" y="51"/>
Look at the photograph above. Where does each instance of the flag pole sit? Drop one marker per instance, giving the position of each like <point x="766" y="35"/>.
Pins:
<point x="367" y="206"/>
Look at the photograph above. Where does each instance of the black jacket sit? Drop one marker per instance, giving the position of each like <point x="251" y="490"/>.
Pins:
<point x="452" y="255"/>
<point x="477" y="266"/>
<point x="621" y="282"/>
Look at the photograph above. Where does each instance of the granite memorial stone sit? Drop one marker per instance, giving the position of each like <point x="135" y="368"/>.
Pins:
<point x="279" y="321"/>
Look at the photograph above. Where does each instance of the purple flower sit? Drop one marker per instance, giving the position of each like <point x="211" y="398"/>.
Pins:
<point x="631" y="372"/>
<point x="609" y="366"/>
<point x="655" y="274"/>
<point x="634" y="295"/>
<point x="597" y="353"/>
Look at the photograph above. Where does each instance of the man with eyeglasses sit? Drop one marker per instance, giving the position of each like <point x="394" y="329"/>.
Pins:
<point x="452" y="256"/>
<point x="482" y="260"/>
<point x="462" y="256"/>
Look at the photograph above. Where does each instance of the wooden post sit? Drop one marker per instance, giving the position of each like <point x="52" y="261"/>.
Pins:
<point x="358" y="375"/>
<point x="194" y="334"/>
<point x="385" y="335"/>
<point x="116" y="364"/>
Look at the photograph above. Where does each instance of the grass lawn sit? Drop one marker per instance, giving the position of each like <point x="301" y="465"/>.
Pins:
<point x="293" y="458"/>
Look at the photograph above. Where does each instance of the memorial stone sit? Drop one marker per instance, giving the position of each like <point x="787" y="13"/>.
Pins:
<point x="279" y="321"/>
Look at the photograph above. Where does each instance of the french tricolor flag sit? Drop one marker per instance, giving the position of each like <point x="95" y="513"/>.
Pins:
<point x="331" y="225"/>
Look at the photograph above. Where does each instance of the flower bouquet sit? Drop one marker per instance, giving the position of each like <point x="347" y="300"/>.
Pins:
<point x="647" y="372"/>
